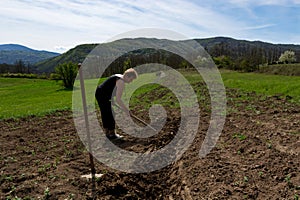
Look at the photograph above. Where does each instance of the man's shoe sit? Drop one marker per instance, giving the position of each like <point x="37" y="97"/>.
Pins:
<point x="114" y="136"/>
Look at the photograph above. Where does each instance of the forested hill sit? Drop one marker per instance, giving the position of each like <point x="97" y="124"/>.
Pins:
<point x="227" y="52"/>
<point x="243" y="44"/>
<point x="75" y="55"/>
<point x="12" y="53"/>
<point x="235" y="48"/>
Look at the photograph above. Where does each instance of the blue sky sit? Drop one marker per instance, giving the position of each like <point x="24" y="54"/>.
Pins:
<point x="58" y="25"/>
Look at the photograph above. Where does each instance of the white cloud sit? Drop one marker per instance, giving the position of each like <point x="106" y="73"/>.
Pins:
<point x="50" y="24"/>
<point x="259" y="26"/>
<point x="61" y="49"/>
<point x="85" y="14"/>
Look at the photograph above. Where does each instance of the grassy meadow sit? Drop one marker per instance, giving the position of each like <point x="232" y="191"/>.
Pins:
<point x="22" y="97"/>
<point x="268" y="85"/>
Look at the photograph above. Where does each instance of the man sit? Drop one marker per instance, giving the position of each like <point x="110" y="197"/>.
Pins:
<point x="113" y="86"/>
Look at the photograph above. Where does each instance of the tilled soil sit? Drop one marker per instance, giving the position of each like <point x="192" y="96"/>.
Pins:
<point x="256" y="157"/>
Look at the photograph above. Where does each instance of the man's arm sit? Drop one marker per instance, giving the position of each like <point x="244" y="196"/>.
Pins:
<point x="120" y="88"/>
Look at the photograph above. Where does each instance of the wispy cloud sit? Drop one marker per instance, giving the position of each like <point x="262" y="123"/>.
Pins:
<point x="259" y="27"/>
<point x="71" y="22"/>
<point x="137" y="13"/>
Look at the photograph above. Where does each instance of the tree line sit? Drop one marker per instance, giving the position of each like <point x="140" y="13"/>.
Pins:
<point x="249" y="58"/>
<point x="18" y="67"/>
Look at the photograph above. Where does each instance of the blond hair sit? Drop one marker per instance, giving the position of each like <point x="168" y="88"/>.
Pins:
<point x="131" y="73"/>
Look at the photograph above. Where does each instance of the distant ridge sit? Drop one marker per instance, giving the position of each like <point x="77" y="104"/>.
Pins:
<point x="14" y="47"/>
<point x="206" y="42"/>
<point x="10" y="53"/>
<point x="215" y="46"/>
<point x="75" y="55"/>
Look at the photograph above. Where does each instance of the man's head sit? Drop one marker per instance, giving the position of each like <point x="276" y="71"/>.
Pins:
<point x="129" y="75"/>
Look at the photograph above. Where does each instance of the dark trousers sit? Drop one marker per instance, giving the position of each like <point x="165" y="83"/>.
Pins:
<point x="107" y="117"/>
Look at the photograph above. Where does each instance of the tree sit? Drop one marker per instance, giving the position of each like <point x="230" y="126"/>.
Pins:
<point x="20" y="66"/>
<point x="127" y="64"/>
<point x="67" y="72"/>
<point x="223" y="62"/>
<point x="246" y="65"/>
<point x="287" y="57"/>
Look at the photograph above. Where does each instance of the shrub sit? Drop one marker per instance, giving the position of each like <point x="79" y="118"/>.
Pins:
<point x="54" y="76"/>
<point x="67" y="72"/>
<point x="18" y="75"/>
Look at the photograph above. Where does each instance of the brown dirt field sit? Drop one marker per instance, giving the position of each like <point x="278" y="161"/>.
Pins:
<point x="256" y="157"/>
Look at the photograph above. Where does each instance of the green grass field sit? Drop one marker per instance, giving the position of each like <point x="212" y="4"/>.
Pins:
<point x="282" y="69"/>
<point x="21" y="97"/>
<point x="264" y="84"/>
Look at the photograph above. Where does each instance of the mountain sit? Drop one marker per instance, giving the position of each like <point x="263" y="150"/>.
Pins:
<point x="227" y="44"/>
<point x="238" y="51"/>
<point x="14" y="47"/>
<point x="10" y="53"/>
<point x="75" y="55"/>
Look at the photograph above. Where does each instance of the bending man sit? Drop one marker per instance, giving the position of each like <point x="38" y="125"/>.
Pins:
<point x="113" y="86"/>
